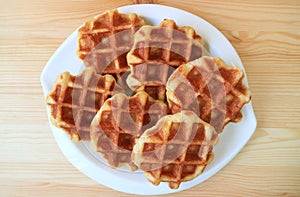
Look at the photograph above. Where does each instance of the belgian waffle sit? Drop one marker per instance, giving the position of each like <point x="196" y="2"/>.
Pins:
<point x="176" y="149"/>
<point x="104" y="41"/>
<point x="75" y="100"/>
<point x="120" y="121"/>
<point x="157" y="51"/>
<point x="210" y="88"/>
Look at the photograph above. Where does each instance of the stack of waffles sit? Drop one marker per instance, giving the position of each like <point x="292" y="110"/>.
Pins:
<point x="149" y="97"/>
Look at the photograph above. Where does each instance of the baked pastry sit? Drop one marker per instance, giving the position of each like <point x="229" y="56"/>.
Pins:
<point x="157" y="51"/>
<point x="176" y="149"/>
<point x="75" y="100"/>
<point x="120" y="121"/>
<point x="211" y="89"/>
<point x="103" y="42"/>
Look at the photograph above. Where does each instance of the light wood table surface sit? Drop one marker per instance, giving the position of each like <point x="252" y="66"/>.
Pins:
<point x="266" y="34"/>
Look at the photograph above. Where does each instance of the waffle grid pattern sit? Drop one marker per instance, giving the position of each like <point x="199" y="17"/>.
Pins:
<point x="177" y="149"/>
<point x="104" y="42"/>
<point x="157" y="51"/>
<point x="120" y="121"/>
<point x="211" y="89"/>
<point x="75" y="100"/>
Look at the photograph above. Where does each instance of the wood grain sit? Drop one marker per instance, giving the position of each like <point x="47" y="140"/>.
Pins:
<point x="266" y="34"/>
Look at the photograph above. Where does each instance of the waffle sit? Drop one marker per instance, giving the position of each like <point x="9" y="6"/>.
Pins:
<point x="104" y="41"/>
<point x="120" y="121"/>
<point x="210" y="88"/>
<point x="75" y="100"/>
<point x="176" y="149"/>
<point x="157" y="51"/>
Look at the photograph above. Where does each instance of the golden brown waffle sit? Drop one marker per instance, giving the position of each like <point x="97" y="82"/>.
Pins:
<point x="176" y="149"/>
<point x="104" y="41"/>
<point x="75" y="100"/>
<point x="120" y="121"/>
<point x="157" y="51"/>
<point x="210" y="88"/>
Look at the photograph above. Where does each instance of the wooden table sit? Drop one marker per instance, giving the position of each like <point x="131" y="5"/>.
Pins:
<point x="266" y="35"/>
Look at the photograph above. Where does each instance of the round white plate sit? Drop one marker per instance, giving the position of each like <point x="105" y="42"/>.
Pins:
<point x="232" y="140"/>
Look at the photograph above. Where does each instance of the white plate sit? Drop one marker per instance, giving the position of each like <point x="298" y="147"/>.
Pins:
<point x="232" y="140"/>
